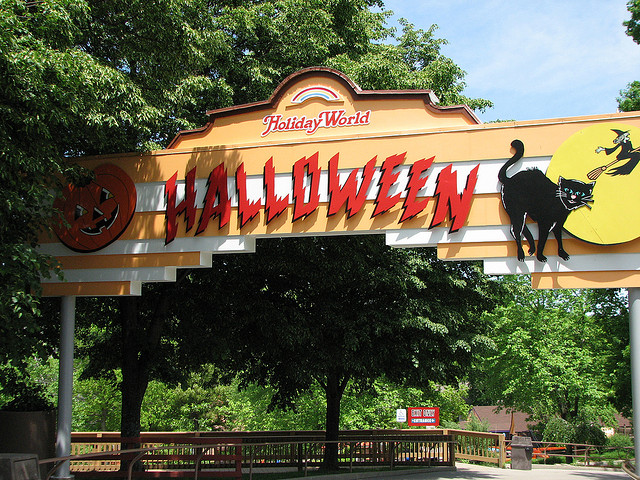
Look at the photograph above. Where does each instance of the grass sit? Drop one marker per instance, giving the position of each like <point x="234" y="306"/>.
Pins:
<point x="549" y="461"/>
<point x="612" y="455"/>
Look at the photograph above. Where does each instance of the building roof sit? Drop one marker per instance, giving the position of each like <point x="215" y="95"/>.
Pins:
<point x="500" y="420"/>
<point x="622" y="421"/>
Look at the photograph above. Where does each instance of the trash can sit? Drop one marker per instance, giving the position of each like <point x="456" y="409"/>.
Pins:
<point x="521" y="453"/>
<point x="19" y="466"/>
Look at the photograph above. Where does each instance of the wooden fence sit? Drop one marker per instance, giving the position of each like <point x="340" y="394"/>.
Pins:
<point x="158" y="455"/>
<point x="480" y="446"/>
<point x="99" y="454"/>
<point x="219" y="452"/>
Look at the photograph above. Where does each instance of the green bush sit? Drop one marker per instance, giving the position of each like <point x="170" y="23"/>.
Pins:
<point x="589" y="433"/>
<point x="619" y="440"/>
<point x="621" y="444"/>
<point x="552" y="460"/>
<point x="476" y="425"/>
<point x="558" y="430"/>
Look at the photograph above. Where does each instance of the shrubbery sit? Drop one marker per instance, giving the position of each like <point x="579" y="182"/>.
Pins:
<point x="560" y="430"/>
<point x="622" y="445"/>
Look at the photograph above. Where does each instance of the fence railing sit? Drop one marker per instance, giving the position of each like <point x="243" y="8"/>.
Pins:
<point x="212" y="453"/>
<point x="304" y="449"/>
<point x="581" y="452"/>
<point x="480" y="446"/>
<point x="221" y="459"/>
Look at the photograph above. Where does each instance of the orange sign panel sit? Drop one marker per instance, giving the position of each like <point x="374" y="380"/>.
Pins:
<point x="552" y="198"/>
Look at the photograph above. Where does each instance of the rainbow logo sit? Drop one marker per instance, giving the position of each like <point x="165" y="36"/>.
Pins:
<point x="316" y="91"/>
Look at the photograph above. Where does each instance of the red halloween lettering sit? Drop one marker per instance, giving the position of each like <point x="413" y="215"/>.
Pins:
<point x="186" y="206"/>
<point x="216" y="202"/>
<point x="449" y="201"/>
<point x="383" y="201"/>
<point x="274" y="205"/>
<point x="416" y="182"/>
<point x="303" y="168"/>
<point x="247" y="210"/>
<point x="349" y="195"/>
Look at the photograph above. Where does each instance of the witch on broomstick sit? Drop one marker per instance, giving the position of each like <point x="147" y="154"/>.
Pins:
<point x="627" y="151"/>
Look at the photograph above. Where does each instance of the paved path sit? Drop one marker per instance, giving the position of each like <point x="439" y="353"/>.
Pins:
<point x="465" y="471"/>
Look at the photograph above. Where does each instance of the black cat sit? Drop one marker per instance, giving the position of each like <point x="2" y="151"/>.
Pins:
<point x="531" y="193"/>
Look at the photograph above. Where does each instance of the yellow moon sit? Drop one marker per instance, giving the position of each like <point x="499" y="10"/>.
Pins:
<point x="614" y="216"/>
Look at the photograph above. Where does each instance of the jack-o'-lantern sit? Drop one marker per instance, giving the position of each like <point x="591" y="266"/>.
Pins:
<point x="98" y="213"/>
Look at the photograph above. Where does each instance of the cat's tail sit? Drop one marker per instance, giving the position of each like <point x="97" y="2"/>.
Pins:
<point x="519" y="147"/>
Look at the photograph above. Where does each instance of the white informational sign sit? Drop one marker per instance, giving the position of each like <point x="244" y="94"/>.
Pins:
<point x="401" y="415"/>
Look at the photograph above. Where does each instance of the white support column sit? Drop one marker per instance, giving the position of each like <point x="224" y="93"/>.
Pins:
<point x="65" y="384"/>
<point x="634" y="342"/>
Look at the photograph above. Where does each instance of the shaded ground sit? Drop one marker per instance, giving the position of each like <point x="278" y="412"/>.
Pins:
<point x="477" y="472"/>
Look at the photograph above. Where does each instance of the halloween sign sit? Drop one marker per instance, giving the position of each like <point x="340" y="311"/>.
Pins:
<point x="551" y="198"/>
<point x="381" y="185"/>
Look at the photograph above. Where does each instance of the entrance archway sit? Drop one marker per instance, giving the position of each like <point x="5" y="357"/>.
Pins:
<point x="323" y="157"/>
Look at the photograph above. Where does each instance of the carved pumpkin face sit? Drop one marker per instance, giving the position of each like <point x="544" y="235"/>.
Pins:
<point x="97" y="213"/>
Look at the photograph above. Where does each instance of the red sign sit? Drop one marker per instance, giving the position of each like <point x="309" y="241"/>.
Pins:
<point x="424" y="417"/>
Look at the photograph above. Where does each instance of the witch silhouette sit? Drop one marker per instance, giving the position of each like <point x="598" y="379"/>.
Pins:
<point x="623" y="142"/>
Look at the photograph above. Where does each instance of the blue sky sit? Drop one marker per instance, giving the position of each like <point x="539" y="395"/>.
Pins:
<point x="534" y="59"/>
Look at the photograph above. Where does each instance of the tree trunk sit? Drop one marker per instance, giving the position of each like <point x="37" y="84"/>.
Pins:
<point x="140" y="342"/>
<point x="135" y="377"/>
<point x="334" y="388"/>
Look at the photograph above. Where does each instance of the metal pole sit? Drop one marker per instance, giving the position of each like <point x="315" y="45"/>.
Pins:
<point x="634" y="344"/>
<point x="65" y="384"/>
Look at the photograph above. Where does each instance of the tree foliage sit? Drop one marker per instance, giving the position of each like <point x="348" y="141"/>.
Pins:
<point x="630" y="97"/>
<point x="633" y="24"/>
<point x="71" y="85"/>
<point x="333" y="312"/>
<point x="102" y="76"/>
<point x="203" y="402"/>
<point x="555" y="354"/>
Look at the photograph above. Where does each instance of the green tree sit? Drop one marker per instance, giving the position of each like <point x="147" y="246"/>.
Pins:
<point x="630" y="97"/>
<point x="203" y="402"/>
<point x="83" y="77"/>
<point x="240" y="54"/>
<point x="551" y="357"/>
<point x="610" y="310"/>
<point x="633" y="24"/>
<point x="102" y="76"/>
<point x="340" y="311"/>
<point x="195" y="405"/>
<point x="375" y="407"/>
<point x="53" y="97"/>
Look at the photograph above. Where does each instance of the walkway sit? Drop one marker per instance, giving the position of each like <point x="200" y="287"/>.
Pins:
<point x="466" y="471"/>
